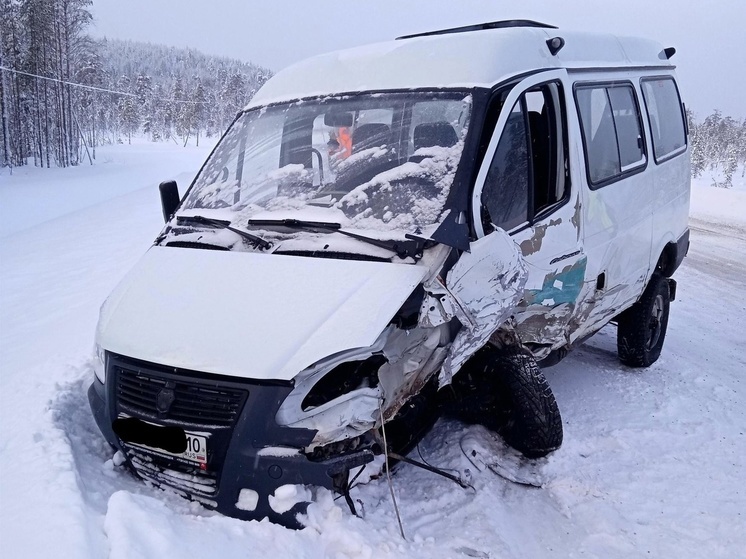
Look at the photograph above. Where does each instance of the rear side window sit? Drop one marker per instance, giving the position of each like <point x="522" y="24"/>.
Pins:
<point x="612" y="131"/>
<point x="666" y="117"/>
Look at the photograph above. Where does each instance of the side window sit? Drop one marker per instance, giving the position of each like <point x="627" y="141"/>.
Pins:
<point x="612" y="134"/>
<point x="602" y="151"/>
<point x="547" y="141"/>
<point x="528" y="172"/>
<point x="628" y="131"/>
<point x="665" y="115"/>
<point x="505" y="192"/>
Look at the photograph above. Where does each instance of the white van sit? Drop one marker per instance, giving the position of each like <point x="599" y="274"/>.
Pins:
<point x="389" y="233"/>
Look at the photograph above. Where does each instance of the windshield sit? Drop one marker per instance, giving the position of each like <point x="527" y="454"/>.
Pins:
<point x="378" y="161"/>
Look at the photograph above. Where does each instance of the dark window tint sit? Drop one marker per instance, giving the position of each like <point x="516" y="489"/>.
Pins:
<point x="505" y="193"/>
<point x="612" y="130"/>
<point x="666" y="117"/>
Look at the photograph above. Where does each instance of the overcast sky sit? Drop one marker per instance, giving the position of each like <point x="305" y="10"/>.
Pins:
<point x="710" y="37"/>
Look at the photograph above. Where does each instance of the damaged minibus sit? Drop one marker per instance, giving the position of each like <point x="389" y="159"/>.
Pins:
<point x="389" y="233"/>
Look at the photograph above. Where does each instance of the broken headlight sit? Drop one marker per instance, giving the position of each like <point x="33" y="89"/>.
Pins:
<point x="339" y="397"/>
<point x="342" y="379"/>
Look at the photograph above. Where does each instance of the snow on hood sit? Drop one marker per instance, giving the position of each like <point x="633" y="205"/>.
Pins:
<point x="250" y="315"/>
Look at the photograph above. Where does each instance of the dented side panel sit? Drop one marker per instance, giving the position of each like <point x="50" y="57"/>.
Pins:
<point x="557" y="280"/>
<point x="487" y="284"/>
<point x="617" y="220"/>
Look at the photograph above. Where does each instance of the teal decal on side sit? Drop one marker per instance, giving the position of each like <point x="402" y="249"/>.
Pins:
<point x="560" y="287"/>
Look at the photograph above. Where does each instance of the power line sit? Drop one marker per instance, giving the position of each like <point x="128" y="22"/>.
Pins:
<point x="93" y="88"/>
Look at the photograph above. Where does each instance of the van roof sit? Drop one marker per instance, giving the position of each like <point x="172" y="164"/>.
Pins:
<point x="473" y="56"/>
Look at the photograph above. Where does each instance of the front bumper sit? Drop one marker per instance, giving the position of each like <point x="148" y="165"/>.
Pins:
<point x="238" y="418"/>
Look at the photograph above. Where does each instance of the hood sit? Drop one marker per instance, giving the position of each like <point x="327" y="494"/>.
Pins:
<point x="258" y="316"/>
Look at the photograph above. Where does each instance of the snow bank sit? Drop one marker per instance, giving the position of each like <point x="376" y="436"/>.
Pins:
<point x="32" y="195"/>
<point x="723" y="205"/>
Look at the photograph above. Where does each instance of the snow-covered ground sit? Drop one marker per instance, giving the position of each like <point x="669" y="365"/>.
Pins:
<point x="653" y="463"/>
<point x="32" y="195"/>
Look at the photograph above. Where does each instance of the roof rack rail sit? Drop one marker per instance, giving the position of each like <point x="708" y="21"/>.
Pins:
<point x="482" y="27"/>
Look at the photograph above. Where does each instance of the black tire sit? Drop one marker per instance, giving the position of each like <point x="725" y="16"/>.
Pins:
<point x="506" y="391"/>
<point x="641" y="329"/>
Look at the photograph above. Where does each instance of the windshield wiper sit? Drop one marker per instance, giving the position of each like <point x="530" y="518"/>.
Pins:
<point x="412" y="246"/>
<point x="222" y="224"/>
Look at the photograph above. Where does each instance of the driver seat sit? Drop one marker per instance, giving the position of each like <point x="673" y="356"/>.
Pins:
<point x="432" y="134"/>
<point x="368" y="136"/>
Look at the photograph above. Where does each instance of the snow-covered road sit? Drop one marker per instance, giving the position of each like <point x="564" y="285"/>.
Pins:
<point x="653" y="463"/>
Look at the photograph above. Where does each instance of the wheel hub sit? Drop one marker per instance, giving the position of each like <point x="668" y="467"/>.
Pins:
<point x="654" y="325"/>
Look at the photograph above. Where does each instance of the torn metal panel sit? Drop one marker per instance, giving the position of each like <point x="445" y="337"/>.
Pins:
<point x="440" y="306"/>
<point x="545" y="312"/>
<point x="346" y="416"/>
<point x="411" y="358"/>
<point x="486" y="283"/>
<point x="544" y="327"/>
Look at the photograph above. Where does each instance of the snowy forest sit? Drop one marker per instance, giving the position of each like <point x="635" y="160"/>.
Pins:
<point x="63" y="93"/>
<point x="719" y="144"/>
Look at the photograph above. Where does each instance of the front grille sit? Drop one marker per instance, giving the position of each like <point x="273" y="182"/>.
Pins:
<point x="198" y="403"/>
<point x="188" y="480"/>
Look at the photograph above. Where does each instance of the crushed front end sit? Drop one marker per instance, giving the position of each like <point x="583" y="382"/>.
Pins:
<point x="300" y="307"/>
<point x="150" y="412"/>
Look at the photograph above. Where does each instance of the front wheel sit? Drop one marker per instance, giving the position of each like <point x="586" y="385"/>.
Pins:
<point x="642" y="328"/>
<point x="505" y="390"/>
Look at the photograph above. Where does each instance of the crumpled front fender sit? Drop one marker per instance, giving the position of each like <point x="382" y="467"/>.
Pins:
<point x="481" y="291"/>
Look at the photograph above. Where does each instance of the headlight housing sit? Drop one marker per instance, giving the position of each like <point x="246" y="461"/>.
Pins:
<point x="343" y="379"/>
<point x="99" y="363"/>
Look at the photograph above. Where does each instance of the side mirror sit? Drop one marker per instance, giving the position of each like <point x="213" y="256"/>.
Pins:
<point x="169" y="198"/>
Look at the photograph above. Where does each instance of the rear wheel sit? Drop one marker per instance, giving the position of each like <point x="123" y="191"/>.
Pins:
<point x="641" y="329"/>
<point x="504" y="390"/>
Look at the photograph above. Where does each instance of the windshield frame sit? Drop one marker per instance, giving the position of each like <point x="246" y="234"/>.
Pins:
<point x="451" y="229"/>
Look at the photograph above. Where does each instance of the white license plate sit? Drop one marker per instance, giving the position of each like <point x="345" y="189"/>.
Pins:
<point x="196" y="449"/>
